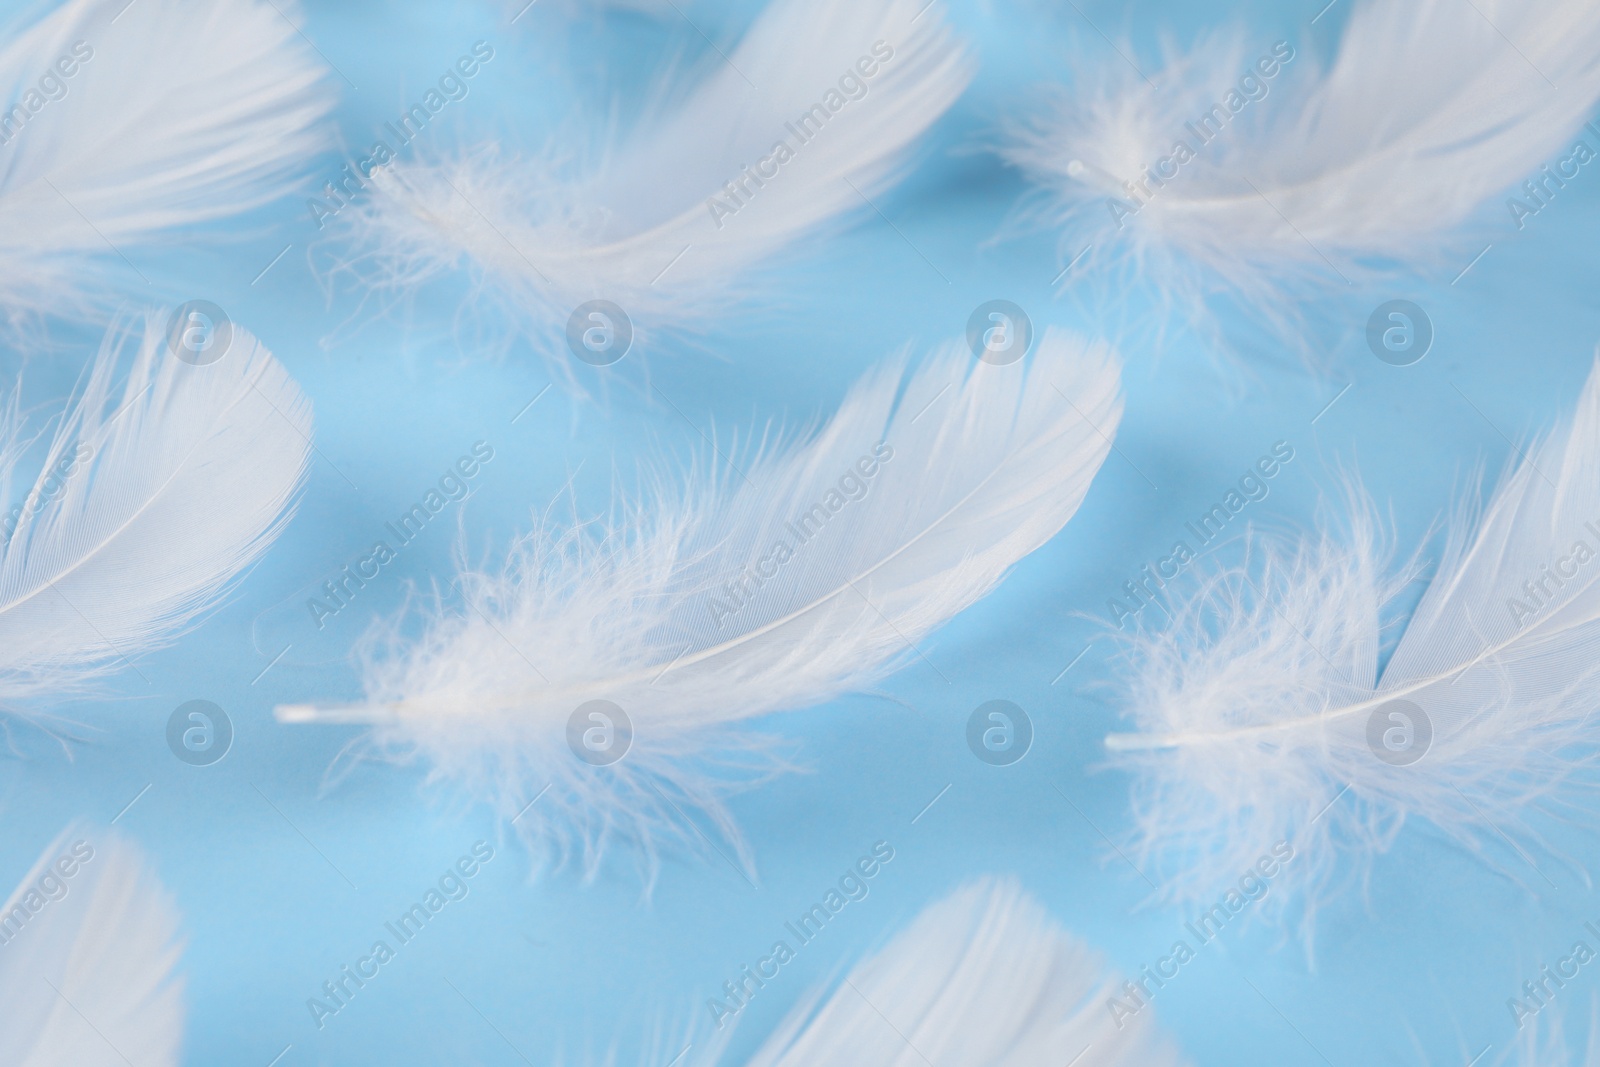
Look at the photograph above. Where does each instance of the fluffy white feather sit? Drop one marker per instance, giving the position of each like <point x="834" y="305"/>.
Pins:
<point x="163" y="480"/>
<point x="176" y="112"/>
<point x="89" y="978"/>
<point x="631" y="219"/>
<point x="981" y="977"/>
<point x="1262" y="714"/>
<point x="1429" y="109"/>
<point x="761" y="589"/>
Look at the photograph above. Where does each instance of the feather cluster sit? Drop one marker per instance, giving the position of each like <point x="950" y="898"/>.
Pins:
<point x="1263" y="716"/>
<point x="601" y="684"/>
<point x="805" y="121"/>
<point x="1241" y="171"/>
<point x="807" y="571"/>
<point x="125" y="121"/>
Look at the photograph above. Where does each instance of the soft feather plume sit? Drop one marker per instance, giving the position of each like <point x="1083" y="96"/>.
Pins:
<point x="981" y="977"/>
<point x="1263" y="715"/>
<point x="813" y="572"/>
<point x="180" y="113"/>
<point x="1425" y="114"/>
<point x="633" y="220"/>
<point x="90" y="979"/>
<point x="162" y="482"/>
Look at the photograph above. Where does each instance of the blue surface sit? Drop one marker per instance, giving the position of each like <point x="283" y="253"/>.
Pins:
<point x="286" y="867"/>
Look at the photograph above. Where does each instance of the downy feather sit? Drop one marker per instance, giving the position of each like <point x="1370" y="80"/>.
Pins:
<point x="646" y="220"/>
<point x="1262" y="715"/>
<point x="162" y="481"/>
<point x="88" y="977"/>
<point x="909" y="505"/>
<point x="176" y="113"/>
<point x="981" y="977"/>
<point x="1333" y="178"/>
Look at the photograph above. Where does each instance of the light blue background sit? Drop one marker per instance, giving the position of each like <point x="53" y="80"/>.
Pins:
<point x="284" y="871"/>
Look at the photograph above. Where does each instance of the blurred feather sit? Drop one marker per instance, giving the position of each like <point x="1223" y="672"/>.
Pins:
<point x="1543" y="1042"/>
<point x="87" y="967"/>
<point x="1310" y="181"/>
<point x="909" y="505"/>
<point x="981" y="977"/>
<point x="666" y="221"/>
<point x="1262" y="714"/>
<point x="176" y="113"/>
<point x="656" y="8"/>
<point x="161" y="483"/>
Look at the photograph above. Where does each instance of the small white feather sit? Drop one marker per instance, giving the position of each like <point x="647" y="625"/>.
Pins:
<point x="176" y="113"/>
<point x="89" y="978"/>
<point x="690" y="617"/>
<point x="1263" y="716"/>
<point x="163" y="481"/>
<point x="635" y="219"/>
<point x="1430" y="109"/>
<point x="981" y="977"/>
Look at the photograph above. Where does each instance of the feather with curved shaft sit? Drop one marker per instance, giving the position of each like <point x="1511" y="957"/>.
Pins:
<point x="162" y="482"/>
<point x="782" y="137"/>
<point x="173" y="113"/>
<point x="1263" y="716"/>
<point x="983" y="976"/>
<point x="89" y="948"/>
<point x="1272" y="190"/>
<point x="809" y="571"/>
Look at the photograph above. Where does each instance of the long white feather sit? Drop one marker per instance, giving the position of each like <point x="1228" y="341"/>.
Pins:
<point x="162" y="482"/>
<point x="88" y="962"/>
<point x="690" y="616"/>
<point x="1262" y="714"/>
<point x="176" y="112"/>
<point x="632" y="219"/>
<point x="1429" y="109"/>
<point x="981" y="977"/>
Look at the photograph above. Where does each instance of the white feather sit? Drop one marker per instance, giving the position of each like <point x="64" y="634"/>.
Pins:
<point x="988" y="462"/>
<point x="1430" y="109"/>
<point x="185" y="112"/>
<point x="162" y="482"/>
<point x="981" y="977"/>
<point x="630" y="220"/>
<point x="1262" y="713"/>
<point x="89" y="978"/>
